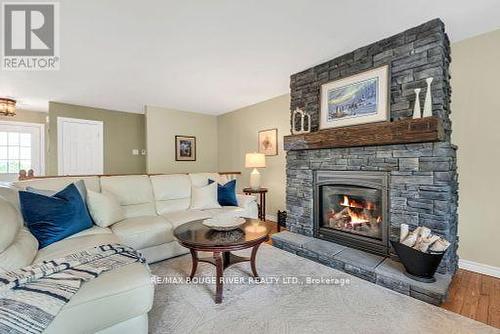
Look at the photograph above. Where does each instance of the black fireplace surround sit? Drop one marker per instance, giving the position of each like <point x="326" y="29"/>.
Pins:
<point x="350" y="208"/>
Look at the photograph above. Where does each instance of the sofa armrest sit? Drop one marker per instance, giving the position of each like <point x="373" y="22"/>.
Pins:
<point x="245" y="200"/>
<point x="249" y="204"/>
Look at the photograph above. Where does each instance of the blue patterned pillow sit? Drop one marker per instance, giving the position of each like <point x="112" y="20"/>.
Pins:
<point x="53" y="218"/>
<point x="226" y="194"/>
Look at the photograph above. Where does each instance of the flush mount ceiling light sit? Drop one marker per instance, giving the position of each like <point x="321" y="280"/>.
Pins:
<point x="7" y="107"/>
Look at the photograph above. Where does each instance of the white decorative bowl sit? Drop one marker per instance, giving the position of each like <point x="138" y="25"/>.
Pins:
<point x="222" y="223"/>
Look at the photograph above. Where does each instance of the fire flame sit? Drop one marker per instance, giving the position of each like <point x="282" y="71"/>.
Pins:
<point x="352" y="203"/>
<point x="358" y="212"/>
<point x="357" y="218"/>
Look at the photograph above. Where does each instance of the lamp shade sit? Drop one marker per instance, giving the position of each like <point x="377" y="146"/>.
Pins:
<point x="255" y="160"/>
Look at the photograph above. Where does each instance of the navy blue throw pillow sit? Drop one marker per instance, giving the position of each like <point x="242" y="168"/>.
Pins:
<point x="80" y="185"/>
<point x="53" y="218"/>
<point x="226" y="194"/>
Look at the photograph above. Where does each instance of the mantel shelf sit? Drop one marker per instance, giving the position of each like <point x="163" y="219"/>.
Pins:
<point x="428" y="129"/>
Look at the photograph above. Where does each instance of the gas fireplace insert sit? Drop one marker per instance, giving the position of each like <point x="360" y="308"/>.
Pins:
<point x="350" y="208"/>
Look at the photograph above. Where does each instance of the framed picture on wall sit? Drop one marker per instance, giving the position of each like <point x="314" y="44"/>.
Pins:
<point x="185" y="148"/>
<point x="358" y="99"/>
<point x="268" y="142"/>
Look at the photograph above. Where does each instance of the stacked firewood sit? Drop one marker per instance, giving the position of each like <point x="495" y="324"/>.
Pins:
<point x="422" y="239"/>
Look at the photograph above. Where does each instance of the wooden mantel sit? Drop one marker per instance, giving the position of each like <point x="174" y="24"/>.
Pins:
<point x="429" y="129"/>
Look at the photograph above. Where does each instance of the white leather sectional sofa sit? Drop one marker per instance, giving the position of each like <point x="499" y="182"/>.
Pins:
<point x="116" y="301"/>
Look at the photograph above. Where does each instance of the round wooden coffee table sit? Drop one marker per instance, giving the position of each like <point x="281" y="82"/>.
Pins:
<point x="198" y="238"/>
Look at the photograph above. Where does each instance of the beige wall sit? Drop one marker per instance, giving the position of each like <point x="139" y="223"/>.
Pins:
<point x="123" y="132"/>
<point x="475" y="72"/>
<point x="162" y="125"/>
<point x="238" y="135"/>
<point x="26" y="116"/>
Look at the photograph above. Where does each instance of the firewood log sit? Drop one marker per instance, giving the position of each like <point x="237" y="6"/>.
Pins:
<point x="423" y="234"/>
<point x="403" y="232"/>
<point x="411" y="239"/>
<point x="424" y="243"/>
<point x="440" y="245"/>
<point x="341" y="214"/>
<point x="422" y="239"/>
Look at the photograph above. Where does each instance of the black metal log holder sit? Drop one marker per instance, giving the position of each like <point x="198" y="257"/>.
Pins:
<point x="419" y="266"/>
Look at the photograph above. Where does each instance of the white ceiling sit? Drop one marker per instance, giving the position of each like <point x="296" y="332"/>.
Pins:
<point x="214" y="56"/>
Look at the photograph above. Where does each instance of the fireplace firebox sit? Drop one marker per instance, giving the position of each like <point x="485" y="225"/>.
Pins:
<point x="350" y="208"/>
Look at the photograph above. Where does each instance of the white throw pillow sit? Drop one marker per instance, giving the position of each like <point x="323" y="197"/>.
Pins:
<point x="204" y="197"/>
<point x="104" y="208"/>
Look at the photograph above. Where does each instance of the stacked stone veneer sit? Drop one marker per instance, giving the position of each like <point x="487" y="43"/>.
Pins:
<point x="423" y="187"/>
<point x="413" y="56"/>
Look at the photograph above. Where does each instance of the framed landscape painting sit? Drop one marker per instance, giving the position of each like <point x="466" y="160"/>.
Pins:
<point x="185" y="148"/>
<point x="268" y="142"/>
<point x="358" y="99"/>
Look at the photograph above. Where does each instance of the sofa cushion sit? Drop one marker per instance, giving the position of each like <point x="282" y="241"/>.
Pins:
<point x="11" y="195"/>
<point x="75" y="244"/>
<point x="59" y="183"/>
<point x="245" y="200"/>
<point x="204" y="197"/>
<point x="171" y="192"/>
<point x="201" y="179"/>
<point x="142" y="232"/>
<point x="134" y="192"/>
<point x="163" y="251"/>
<point x="92" y="231"/>
<point x="11" y="223"/>
<point x="20" y="253"/>
<point x="104" y="208"/>
<point x="111" y="298"/>
<point x="53" y="218"/>
<point x="182" y="217"/>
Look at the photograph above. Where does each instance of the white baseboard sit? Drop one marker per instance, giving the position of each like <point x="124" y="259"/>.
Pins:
<point x="272" y="218"/>
<point x="481" y="268"/>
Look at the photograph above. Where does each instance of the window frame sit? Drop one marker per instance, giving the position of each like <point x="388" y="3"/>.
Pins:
<point x="37" y="131"/>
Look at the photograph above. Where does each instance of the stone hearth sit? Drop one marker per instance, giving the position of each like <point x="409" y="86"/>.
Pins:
<point x="376" y="269"/>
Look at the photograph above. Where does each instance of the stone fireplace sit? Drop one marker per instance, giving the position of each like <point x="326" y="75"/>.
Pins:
<point x="421" y="188"/>
<point x="355" y="187"/>
<point x="350" y="207"/>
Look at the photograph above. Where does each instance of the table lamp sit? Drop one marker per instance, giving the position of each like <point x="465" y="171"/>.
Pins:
<point x="255" y="160"/>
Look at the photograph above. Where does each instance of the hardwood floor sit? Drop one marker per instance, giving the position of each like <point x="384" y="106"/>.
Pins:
<point x="274" y="229"/>
<point x="475" y="296"/>
<point x="472" y="295"/>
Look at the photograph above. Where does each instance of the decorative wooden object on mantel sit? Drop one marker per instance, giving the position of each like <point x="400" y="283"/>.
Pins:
<point x="428" y="129"/>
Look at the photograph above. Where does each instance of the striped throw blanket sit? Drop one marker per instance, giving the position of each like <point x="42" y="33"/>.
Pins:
<point x="31" y="297"/>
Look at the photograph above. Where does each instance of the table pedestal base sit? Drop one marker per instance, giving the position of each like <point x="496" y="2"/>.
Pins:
<point x="222" y="260"/>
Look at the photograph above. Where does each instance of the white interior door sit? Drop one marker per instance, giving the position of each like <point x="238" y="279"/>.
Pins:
<point x="80" y="146"/>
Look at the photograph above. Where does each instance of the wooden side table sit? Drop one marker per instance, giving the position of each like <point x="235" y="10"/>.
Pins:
<point x="262" y="200"/>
